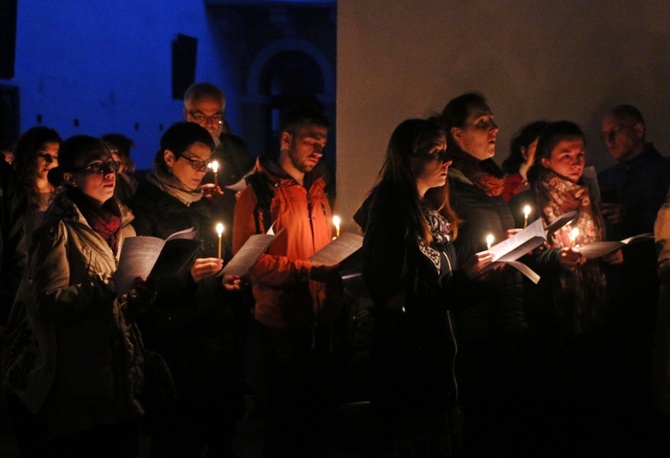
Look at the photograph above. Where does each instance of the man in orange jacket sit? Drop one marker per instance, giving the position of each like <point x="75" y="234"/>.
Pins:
<point x="296" y="299"/>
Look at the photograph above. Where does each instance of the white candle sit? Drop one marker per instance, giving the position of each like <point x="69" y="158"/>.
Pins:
<point x="489" y="241"/>
<point x="219" y="232"/>
<point x="526" y="213"/>
<point x="336" y="222"/>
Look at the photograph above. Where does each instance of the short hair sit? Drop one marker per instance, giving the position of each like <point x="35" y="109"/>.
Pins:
<point x="301" y="116"/>
<point x="197" y="91"/>
<point x="457" y="110"/>
<point x="180" y="136"/>
<point x="522" y="139"/>
<point x="629" y="112"/>
<point x="551" y="136"/>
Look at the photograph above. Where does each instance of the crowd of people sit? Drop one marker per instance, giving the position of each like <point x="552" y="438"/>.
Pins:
<point x="467" y="357"/>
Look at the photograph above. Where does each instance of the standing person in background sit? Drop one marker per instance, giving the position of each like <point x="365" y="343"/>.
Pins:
<point x="88" y="382"/>
<point x="120" y="146"/>
<point x="492" y="331"/>
<point x="191" y="323"/>
<point x="411" y="271"/>
<point x="632" y="193"/>
<point x="296" y="299"/>
<point x="521" y="158"/>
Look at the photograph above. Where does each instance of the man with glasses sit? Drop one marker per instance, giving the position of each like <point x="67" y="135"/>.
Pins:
<point x="632" y="192"/>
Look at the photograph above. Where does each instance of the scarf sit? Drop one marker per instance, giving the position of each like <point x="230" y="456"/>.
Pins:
<point x="105" y="219"/>
<point x="440" y="229"/>
<point x="167" y="182"/>
<point x="580" y="297"/>
<point x="485" y="175"/>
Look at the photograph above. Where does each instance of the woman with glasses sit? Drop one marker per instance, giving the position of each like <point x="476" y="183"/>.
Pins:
<point x="35" y="155"/>
<point x="191" y="324"/>
<point x="411" y="272"/>
<point x="85" y="384"/>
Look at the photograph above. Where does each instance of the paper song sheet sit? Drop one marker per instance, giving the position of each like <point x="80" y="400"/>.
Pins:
<point x="338" y="250"/>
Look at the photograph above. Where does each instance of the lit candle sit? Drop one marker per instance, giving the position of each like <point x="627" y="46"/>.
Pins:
<point x="219" y="232"/>
<point x="489" y="241"/>
<point x="214" y="165"/>
<point x="526" y="212"/>
<point x="573" y="236"/>
<point x="336" y="222"/>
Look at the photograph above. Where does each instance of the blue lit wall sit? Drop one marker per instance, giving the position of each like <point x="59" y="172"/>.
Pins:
<point x="107" y="64"/>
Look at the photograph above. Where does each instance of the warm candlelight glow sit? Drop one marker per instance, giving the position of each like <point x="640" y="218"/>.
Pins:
<point x="214" y="165"/>
<point x="219" y="232"/>
<point x="336" y="223"/>
<point x="526" y="212"/>
<point x="573" y="236"/>
<point x="489" y="241"/>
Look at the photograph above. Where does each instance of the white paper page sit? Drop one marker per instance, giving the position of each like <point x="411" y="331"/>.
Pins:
<point x="520" y="243"/>
<point x="338" y="250"/>
<point x="184" y="234"/>
<point x="248" y="254"/>
<point x="138" y="256"/>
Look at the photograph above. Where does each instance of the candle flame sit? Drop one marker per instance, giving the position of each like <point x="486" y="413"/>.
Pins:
<point x="489" y="241"/>
<point x="526" y="211"/>
<point x="214" y="165"/>
<point x="336" y="221"/>
<point x="573" y="234"/>
<point x="219" y="229"/>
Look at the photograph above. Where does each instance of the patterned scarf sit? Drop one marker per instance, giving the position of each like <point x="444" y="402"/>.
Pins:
<point x="167" y="182"/>
<point x="486" y="174"/>
<point x="440" y="228"/>
<point x="580" y="297"/>
<point x="105" y="219"/>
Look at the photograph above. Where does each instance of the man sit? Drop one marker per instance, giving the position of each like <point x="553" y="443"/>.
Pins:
<point x="632" y="193"/>
<point x="295" y="298"/>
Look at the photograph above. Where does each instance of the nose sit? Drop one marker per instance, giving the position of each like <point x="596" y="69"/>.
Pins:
<point x="494" y="127"/>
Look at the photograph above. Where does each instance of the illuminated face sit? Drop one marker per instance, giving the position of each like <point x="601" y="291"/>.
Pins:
<point x="478" y="136"/>
<point x="567" y="159"/>
<point x="190" y="168"/>
<point x="47" y="159"/>
<point x="208" y="113"/>
<point x="431" y="169"/>
<point x="622" y="136"/>
<point x="305" y="147"/>
<point x="98" y="186"/>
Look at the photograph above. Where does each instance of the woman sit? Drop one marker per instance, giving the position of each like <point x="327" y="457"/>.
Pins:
<point x="492" y="330"/>
<point x="87" y="386"/>
<point x="191" y="322"/>
<point x="521" y="158"/>
<point x="410" y="270"/>
<point x="35" y="155"/>
<point x="567" y="310"/>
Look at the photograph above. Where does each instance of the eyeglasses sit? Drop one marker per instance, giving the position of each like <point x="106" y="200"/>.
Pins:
<point x="48" y="158"/>
<point x="198" y="165"/>
<point x="100" y="168"/>
<point x="200" y="118"/>
<point x="608" y="134"/>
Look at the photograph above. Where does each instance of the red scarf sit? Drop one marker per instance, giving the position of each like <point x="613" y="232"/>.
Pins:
<point x="486" y="174"/>
<point x="105" y="219"/>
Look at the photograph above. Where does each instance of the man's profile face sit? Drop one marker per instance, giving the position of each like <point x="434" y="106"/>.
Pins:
<point x="622" y="136"/>
<point x="305" y="146"/>
<point x="207" y="112"/>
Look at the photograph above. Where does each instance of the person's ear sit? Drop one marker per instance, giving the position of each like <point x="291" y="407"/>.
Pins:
<point x="285" y="140"/>
<point x="457" y="133"/>
<point x="186" y="113"/>
<point x="639" y="130"/>
<point x="69" y="179"/>
<point x="545" y="162"/>
<point x="169" y="158"/>
<point x="524" y="152"/>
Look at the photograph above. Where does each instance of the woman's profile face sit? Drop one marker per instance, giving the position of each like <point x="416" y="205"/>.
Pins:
<point x="46" y="159"/>
<point x="478" y="136"/>
<point x="567" y="159"/>
<point x="191" y="166"/>
<point x="97" y="177"/>
<point x="432" y="167"/>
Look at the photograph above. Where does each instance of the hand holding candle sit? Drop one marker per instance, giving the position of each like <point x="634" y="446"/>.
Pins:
<point x="526" y="213"/>
<point x="219" y="232"/>
<point x="336" y="223"/>
<point x="489" y="241"/>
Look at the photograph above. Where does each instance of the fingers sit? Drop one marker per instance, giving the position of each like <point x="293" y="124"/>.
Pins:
<point x="205" y="267"/>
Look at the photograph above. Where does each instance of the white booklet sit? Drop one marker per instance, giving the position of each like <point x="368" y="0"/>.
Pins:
<point x="598" y="249"/>
<point x="338" y="250"/>
<point x="255" y="245"/>
<point x="145" y="257"/>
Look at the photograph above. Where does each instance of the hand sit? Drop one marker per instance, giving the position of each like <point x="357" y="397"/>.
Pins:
<point x="205" y="267"/>
<point x="569" y="258"/>
<point x="615" y="258"/>
<point x="210" y="190"/>
<point x="232" y="282"/>
<point x="323" y="273"/>
<point x="612" y="212"/>
<point x="475" y="264"/>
